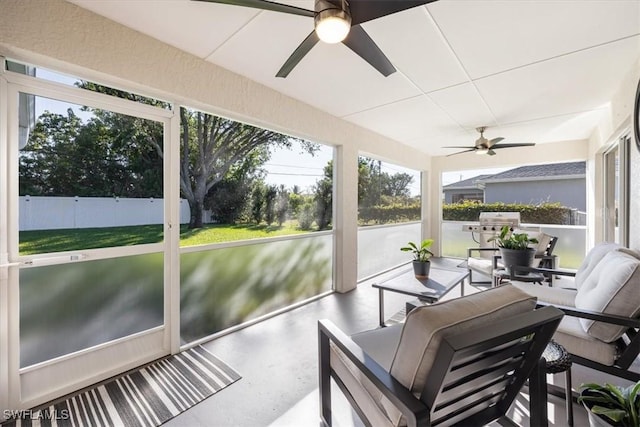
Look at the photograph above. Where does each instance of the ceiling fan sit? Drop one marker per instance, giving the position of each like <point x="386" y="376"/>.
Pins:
<point x="487" y="146"/>
<point x="337" y="21"/>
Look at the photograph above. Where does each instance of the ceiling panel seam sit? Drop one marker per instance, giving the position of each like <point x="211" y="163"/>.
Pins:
<point x="519" y="122"/>
<point x="464" y="69"/>
<point x="551" y="58"/>
<point x="232" y="35"/>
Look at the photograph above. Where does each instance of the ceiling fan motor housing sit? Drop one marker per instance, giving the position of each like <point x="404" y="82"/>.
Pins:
<point x="332" y="23"/>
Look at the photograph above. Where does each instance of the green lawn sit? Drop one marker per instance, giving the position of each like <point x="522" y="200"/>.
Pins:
<point x="43" y="241"/>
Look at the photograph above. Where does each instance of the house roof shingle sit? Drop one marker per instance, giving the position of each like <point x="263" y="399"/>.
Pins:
<point x="466" y="183"/>
<point x="569" y="169"/>
<point x="541" y="171"/>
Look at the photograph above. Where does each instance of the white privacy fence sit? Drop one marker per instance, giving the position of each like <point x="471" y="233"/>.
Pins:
<point x="48" y="213"/>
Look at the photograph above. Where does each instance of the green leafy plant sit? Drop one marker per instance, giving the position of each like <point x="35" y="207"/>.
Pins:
<point x="621" y="405"/>
<point x="420" y="253"/>
<point x="508" y="240"/>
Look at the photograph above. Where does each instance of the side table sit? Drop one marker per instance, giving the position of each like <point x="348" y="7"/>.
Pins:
<point x="558" y="360"/>
<point x="501" y="275"/>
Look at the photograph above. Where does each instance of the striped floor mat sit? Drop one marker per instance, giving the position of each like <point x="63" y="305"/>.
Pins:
<point x="147" y="397"/>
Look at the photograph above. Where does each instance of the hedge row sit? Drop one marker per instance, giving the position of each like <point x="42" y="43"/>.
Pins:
<point x="545" y="213"/>
<point x="388" y="214"/>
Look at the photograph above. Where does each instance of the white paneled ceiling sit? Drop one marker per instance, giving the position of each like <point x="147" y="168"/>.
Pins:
<point x="533" y="71"/>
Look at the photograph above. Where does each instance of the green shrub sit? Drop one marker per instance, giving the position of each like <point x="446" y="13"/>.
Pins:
<point x="388" y="214"/>
<point x="306" y="216"/>
<point x="544" y="213"/>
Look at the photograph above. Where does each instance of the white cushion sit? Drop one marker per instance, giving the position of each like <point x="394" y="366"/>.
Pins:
<point x="555" y="296"/>
<point x="543" y="241"/>
<point x="363" y="391"/>
<point x="426" y="326"/>
<point x="484" y="266"/>
<point x="592" y="259"/>
<point x="613" y="287"/>
<point x="631" y="252"/>
<point x="380" y="344"/>
<point x="573" y="338"/>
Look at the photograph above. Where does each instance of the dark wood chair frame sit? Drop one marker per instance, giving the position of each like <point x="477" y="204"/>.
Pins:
<point x="475" y="378"/>
<point x="628" y="344"/>
<point x="548" y="260"/>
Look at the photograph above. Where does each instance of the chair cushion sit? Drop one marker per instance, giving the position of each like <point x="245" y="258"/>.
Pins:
<point x="555" y="296"/>
<point x="425" y="327"/>
<point x="612" y="287"/>
<point x="631" y="252"/>
<point x="380" y="344"/>
<point x="541" y="248"/>
<point x="363" y="391"/>
<point x="572" y="337"/>
<point x="484" y="266"/>
<point x="592" y="259"/>
<point x="543" y="241"/>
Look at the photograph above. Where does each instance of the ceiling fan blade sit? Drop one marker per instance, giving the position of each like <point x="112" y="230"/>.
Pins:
<point x="266" y="5"/>
<point x="460" y="152"/>
<point x="359" y="41"/>
<point x="495" y="141"/>
<point x="491" y="152"/>
<point x="460" y="146"/>
<point x="366" y="10"/>
<point x="524" y="144"/>
<point x="298" y="54"/>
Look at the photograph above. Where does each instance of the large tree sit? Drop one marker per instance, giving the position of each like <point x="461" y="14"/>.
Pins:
<point x="103" y="157"/>
<point x="211" y="147"/>
<point x="323" y="197"/>
<point x="374" y="185"/>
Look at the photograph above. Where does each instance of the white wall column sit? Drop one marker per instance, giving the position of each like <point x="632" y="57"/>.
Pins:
<point x="345" y="218"/>
<point x="430" y="207"/>
<point x="432" y="189"/>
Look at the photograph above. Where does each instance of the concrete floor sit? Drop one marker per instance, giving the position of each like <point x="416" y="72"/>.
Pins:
<point x="277" y="359"/>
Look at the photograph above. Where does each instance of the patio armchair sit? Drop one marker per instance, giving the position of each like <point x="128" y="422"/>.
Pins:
<point x="602" y="314"/>
<point x="486" y="260"/>
<point x="461" y="361"/>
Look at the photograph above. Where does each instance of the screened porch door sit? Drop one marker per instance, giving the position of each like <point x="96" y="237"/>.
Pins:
<point x="88" y="274"/>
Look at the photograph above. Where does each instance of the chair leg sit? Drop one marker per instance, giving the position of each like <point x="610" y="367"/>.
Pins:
<point x="569" y="396"/>
<point x="538" y="395"/>
<point x="324" y="380"/>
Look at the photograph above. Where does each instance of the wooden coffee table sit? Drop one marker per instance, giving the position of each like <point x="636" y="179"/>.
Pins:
<point x="430" y="290"/>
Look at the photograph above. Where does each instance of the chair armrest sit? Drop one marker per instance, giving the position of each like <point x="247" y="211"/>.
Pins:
<point x="552" y="261"/>
<point x="479" y="250"/>
<point x="595" y="315"/>
<point x="416" y="412"/>
<point x="555" y="272"/>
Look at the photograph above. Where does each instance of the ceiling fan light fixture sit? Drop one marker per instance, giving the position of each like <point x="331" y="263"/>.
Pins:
<point x="481" y="151"/>
<point x="332" y="25"/>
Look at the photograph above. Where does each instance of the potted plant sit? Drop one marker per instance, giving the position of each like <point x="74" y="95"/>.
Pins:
<point x="514" y="249"/>
<point x="421" y="255"/>
<point x="610" y="405"/>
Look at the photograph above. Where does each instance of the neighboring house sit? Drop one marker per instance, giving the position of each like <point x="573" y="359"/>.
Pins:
<point x="557" y="182"/>
<point x="468" y="189"/>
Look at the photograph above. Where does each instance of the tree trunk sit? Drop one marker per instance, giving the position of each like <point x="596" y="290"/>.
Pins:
<point x="196" y="214"/>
